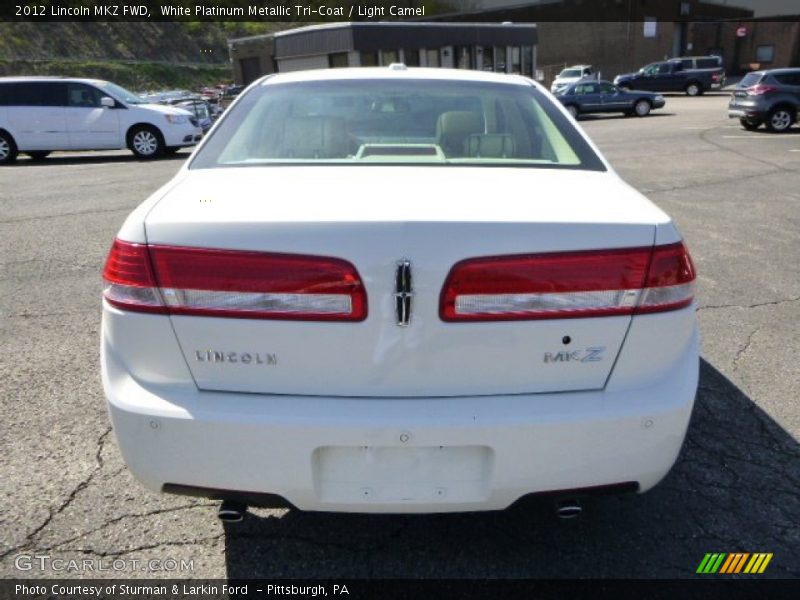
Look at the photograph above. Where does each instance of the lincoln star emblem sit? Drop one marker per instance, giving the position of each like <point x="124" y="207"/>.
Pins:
<point x="403" y="292"/>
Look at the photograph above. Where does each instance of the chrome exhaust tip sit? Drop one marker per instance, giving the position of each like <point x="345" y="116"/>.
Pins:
<point x="231" y="512"/>
<point x="568" y="508"/>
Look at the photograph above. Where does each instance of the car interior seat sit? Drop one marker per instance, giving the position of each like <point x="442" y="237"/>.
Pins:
<point x="314" y="137"/>
<point x="490" y="145"/>
<point x="454" y="127"/>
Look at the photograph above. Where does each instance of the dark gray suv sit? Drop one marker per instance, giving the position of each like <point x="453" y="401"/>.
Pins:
<point x="769" y="97"/>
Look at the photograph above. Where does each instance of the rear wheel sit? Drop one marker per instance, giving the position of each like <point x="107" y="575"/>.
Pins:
<point x="573" y="110"/>
<point x="8" y="149"/>
<point x="750" y="125"/>
<point x="641" y="108"/>
<point x="693" y="89"/>
<point x="780" y="119"/>
<point x="38" y="155"/>
<point x="145" y="141"/>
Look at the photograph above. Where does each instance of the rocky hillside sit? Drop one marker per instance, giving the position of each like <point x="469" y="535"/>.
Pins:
<point x="142" y="55"/>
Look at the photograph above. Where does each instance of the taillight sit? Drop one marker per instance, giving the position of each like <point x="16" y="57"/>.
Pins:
<point x="231" y="283"/>
<point x="130" y="283"/>
<point x="670" y="280"/>
<point x="760" y="89"/>
<point x="568" y="285"/>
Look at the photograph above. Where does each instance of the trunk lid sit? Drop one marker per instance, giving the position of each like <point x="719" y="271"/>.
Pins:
<point x="374" y="217"/>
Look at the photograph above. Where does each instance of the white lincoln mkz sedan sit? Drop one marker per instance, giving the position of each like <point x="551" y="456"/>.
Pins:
<point x="398" y="290"/>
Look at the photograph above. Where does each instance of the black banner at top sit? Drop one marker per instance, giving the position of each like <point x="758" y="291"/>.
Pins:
<point x="368" y="10"/>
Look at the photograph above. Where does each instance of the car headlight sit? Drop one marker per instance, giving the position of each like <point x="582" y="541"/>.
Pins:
<point x="659" y="98"/>
<point x="177" y="119"/>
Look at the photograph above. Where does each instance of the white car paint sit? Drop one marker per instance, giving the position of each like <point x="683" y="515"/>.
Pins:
<point x="371" y="417"/>
<point x="562" y="82"/>
<point x="70" y="127"/>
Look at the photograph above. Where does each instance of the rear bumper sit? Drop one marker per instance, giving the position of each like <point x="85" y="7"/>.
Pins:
<point x="404" y="455"/>
<point x="746" y="111"/>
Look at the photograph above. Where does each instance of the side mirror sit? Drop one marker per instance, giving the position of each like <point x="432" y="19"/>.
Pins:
<point x="107" y="102"/>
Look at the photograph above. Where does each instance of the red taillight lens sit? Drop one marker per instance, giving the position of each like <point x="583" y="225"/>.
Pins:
<point x="759" y="89"/>
<point x="568" y="284"/>
<point x="258" y="285"/>
<point x="670" y="280"/>
<point x="130" y="283"/>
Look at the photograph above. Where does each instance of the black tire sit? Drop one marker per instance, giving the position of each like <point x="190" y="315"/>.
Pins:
<point x="641" y="108"/>
<point x="573" y="110"/>
<point x="750" y="125"/>
<point x="693" y="88"/>
<point x="8" y="149"/>
<point x="39" y="154"/>
<point x="145" y="141"/>
<point x="780" y="119"/>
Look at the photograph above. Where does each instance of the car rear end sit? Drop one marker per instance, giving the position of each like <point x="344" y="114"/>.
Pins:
<point x="770" y="97"/>
<point x="387" y="336"/>
<point x="749" y="99"/>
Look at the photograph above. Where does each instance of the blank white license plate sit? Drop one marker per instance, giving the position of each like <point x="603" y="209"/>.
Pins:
<point x="397" y="474"/>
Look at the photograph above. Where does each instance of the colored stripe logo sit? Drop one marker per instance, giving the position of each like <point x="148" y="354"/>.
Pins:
<point x="734" y="562"/>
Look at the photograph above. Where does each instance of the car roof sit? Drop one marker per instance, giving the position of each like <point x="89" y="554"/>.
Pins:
<point x="395" y="72"/>
<point x="589" y="80"/>
<point x="695" y="57"/>
<point x="27" y="78"/>
<point x="778" y="71"/>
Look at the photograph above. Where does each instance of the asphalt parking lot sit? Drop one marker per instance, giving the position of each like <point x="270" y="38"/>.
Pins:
<point x="67" y="495"/>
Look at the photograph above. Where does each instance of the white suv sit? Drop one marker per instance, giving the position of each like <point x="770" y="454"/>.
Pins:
<point x="41" y="114"/>
<point x="569" y="76"/>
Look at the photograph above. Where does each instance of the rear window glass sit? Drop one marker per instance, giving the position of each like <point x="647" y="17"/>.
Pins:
<point x="34" y="93"/>
<point x="359" y="122"/>
<point x="707" y="63"/>
<point x="750" y="79"/>
<point x="788" y="78"/>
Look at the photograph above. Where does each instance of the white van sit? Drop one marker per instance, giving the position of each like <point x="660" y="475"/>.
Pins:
<point x="41" y="114"/>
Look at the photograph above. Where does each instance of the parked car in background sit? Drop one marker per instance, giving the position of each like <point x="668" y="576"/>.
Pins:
<point x="201" y="110"/>
<point x="39" y="115"/>
<point x="770" y="97"/>
<point x="570" y="75"/>
<point x="693" y="75"/>
<point x="271" y="338"/>
<point x="229" y="95"/>
<point x="586" y="97"/>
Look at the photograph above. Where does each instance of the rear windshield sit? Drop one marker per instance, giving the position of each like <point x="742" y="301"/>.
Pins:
<point x="750" y="79"/>
<point x="430" y="122"/>
<point x="708" y="63"/>
<point x="570" y="73"/>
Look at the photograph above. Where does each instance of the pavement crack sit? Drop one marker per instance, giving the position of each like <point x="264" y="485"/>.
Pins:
<point x="79" y="213"/>
<point x="68" y="313"/>
<point x="111" y="553"/>
<point x="82" y="485"/>
<point x="117" y="519"/>
<point x="756" y="305"/>
<point x="744" y="348"/>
